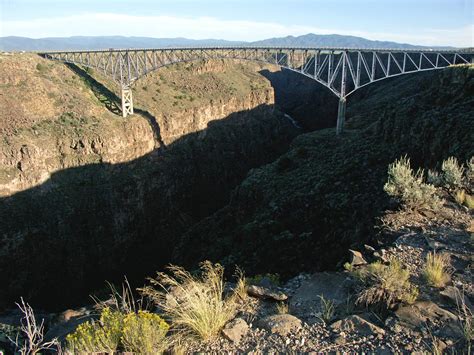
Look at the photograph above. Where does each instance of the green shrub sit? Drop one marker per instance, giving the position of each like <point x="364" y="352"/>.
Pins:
<point x="144" y="332"/>
<point x="452" y="173"/>
<point x="386" y="285"/>
<point x="42" y="68"/>
<point x="141" y="332"/>
<point x="408" y="187"/>
<point x="101" y="336"/>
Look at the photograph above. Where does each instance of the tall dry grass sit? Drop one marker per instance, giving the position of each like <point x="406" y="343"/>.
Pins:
<point x="195" y="305"/>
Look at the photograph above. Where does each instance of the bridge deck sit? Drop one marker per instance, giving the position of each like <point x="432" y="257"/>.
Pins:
<point x="329" y="49"/>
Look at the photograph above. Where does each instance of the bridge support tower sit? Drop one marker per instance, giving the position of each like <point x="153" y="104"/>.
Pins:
<point x="341" y="115"/>
<point x="127" y="101"/>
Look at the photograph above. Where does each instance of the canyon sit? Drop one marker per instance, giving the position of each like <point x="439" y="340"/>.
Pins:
<point x="209" y="168"/>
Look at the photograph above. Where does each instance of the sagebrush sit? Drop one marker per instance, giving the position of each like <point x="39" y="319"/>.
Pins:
<point x="452" y="173"/>
<point x="386" y="285"/>
<point x="408" y="187"/>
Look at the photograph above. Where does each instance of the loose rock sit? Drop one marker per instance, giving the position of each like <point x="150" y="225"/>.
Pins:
<point x="281" y="324"/>
<point x="417" y="314"/>
<point x="357" y="258"/>
<point x="356" y="324"/>
<point x="266" y="293"/>
<point x="235" y="330"/>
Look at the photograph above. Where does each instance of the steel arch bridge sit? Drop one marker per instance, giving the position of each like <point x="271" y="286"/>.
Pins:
<point x="341" y="70"/>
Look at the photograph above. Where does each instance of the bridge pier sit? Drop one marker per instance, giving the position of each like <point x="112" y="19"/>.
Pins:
<point x="127" y="101"/>
<point x="341" y="115"/>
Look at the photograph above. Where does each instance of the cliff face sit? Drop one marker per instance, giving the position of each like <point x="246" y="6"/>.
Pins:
<point x="56" y="121"/>
<point x="303" y="211"/>
<point x="88" y="196"/>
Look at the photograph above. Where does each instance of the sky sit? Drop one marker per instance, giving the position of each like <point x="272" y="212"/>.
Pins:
<point x="424" y="22"/>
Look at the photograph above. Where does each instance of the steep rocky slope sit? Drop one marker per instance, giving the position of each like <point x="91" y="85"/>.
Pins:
<point x="89" y="196"/>
<point x="305" y="210"/>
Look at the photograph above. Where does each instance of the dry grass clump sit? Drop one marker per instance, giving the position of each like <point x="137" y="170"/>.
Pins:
<point x="240" y="289"/>
<point x="435" y="271"/>
<point x="408" y="187"/>
<point x="460" y="196"/>
<point x="469" y="201"/>
<point x="196" y="306"/>
<point x="466" y="320"/>
<point x="386" y="285"/>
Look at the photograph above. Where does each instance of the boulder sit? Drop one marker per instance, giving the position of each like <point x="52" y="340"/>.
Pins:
<point x="417" y="314"/>
<point x="235" y="330"/>
<point x="281" y="324"/>
<point x="266" y="293"/>
<point x="306" y="301"/>
<point x="356" y="324"/>
<point x="357" y="258"/>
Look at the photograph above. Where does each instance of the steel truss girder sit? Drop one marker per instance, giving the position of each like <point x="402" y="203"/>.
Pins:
<point x="328" y="66"/>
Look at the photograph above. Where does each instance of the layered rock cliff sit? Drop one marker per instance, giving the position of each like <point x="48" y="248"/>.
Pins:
<point x="89" y="196"/>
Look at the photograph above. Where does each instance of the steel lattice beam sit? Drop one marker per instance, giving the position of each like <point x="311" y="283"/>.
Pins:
<point x="341" y="70"/>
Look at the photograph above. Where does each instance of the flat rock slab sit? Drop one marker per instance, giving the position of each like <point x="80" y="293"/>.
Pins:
<point x="457" y="297"/>
<point x="266" y="293"/>
<point x="417" y="314"/>
<point x="235" y="330"/>
<point x="68" y="321"/>
<point x="332" y="286"/>
<point x="281" y="324"/>
<point x="356" y="324"/>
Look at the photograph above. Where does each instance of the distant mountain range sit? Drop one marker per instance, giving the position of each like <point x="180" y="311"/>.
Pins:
<point x="14" y="43"/>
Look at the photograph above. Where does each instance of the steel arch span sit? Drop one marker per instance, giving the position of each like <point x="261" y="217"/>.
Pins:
<point x="341" y="70"/>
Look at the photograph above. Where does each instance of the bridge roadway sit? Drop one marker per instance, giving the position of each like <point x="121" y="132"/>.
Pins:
<point x="341" y="70"/>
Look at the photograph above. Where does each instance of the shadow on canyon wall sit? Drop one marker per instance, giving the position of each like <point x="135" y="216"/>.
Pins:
<point x="97" y="222"/>
<point x="310" y="103"/>
<point x="87" y="224"/>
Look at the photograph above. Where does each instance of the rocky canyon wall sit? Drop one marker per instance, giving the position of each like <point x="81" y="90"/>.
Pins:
<point x="88" y="196"/>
